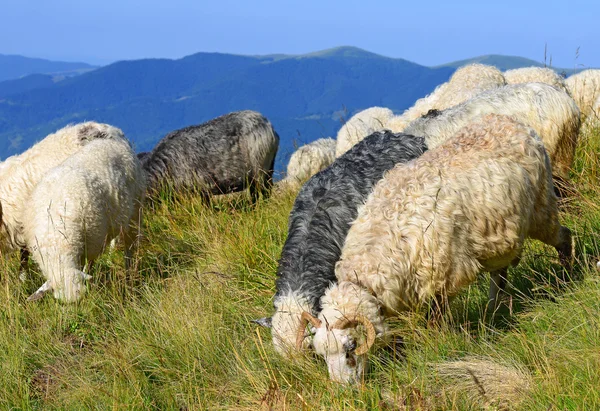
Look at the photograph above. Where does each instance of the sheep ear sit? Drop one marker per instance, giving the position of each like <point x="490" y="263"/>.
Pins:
<point x="264" y="322"/>
<point x="41" y="292"/>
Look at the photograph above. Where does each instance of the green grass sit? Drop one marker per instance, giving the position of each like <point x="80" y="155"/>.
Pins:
<point x="178" y="333"/>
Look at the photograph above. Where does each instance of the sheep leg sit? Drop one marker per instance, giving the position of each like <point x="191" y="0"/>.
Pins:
<point x="131" y="237"/>
<point x="437" y="309"/>
<point x="565" y="250"/>
<point x="497" y="287"/>
<point x="24" y="268"/>
<point x="267" y="185"/>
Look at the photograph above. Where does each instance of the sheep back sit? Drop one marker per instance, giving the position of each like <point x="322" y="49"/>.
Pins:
<point x="536" y="75"/>
<point x="309" y="159"/>
<point x="361" y="125"/>
<point x="550" y="112"/>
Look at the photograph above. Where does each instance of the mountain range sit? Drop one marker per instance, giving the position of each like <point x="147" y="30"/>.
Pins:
<point x="305" y="96"/>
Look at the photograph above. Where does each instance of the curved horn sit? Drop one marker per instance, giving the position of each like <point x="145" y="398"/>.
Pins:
<point x="305" y="318"/>
<point x="349" y="321"/>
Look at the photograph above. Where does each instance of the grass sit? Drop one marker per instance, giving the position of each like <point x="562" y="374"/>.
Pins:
<point x="178" y="333"/>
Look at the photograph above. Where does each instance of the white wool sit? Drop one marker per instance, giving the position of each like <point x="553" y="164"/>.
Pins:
<point x="360" y="126"/>
<point x="585" y="89"/>
<point x="536" y="75"/>
<point x="309" y="159"/>
<point x="466" y="82"/>
<point x="286" y="320"/>
<point x="19" y="174"/>
<point x="550" y="112"/>
<point x="78" y="207"/>
<point x="431" y="225"/>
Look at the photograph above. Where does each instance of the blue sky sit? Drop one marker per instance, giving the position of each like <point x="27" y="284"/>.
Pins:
<point x="426" y="32"/>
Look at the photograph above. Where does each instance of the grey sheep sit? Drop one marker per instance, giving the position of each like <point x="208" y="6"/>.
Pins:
<point x="227" y="154"/>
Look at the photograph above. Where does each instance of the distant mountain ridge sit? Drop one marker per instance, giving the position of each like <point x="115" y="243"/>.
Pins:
<point x="14" y="67"/>
<point x="305" y="96"/>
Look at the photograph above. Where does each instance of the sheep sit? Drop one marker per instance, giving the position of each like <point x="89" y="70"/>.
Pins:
<point x="466" y="82"/>
<point x="318" y="224"/>
<point x="429" y="227"/>
<point x="550" y="112"/>
<point x="361" y="125"/>
<point x="19" y="175"/>
<point x="308" y="160"/>
<point x="536" y="75"/>
<point x="226" y="154"/>
<point x="77" y="208"/>
<point x="585" y="89"/>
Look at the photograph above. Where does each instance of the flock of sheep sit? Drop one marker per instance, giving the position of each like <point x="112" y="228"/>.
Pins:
<point x="397" y="212"/>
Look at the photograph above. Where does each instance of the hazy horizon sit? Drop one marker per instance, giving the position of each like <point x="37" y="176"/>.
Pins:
<point x="430" y="33"/>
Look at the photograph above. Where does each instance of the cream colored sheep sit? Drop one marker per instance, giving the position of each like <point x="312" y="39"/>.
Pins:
<point x="309" y="159"/>
<point x="536" y="75"/>
<point x="77" y="208"/>
<point x="466" y="82"/>
<point x="19" y="175"/>
<point x="430" y="226"/>
<point x="361" y="125"/>
<point x="585" y="89"/>
<point x="550" y="112"/>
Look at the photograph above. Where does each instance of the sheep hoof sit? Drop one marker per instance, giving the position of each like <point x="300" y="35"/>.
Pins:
<point x="40" y="293"/>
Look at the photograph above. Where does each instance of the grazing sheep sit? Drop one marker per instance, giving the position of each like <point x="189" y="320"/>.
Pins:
<point x="77" y="208"/>
<point x="20" y="174"/>
<point x="550" y="112"/>
<point x="308" y="160"/>
<point x="429" y="227"/>
<point x="318" y="223"/>
<point x="535" y="75"/>
<point x="585" y="89"/>
<point x="361" y="125"/>
<point x="466" y="82"/>
<point x="226" y="154"/>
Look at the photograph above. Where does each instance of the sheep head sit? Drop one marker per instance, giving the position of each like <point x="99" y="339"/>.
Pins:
<point x="338" y="344"/>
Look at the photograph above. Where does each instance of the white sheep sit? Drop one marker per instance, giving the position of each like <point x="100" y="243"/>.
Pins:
<point x="361" y="125"/>
<point x="77" y="208"/>
<point x="585" y="89"/>
<point x="550" y="112"/>
<point x="535" y="75"/>
<point x="429" y="227"/>
<point x="19" y="174"/>
<point x="466" y="82"/>
<point x="309" y="159"/>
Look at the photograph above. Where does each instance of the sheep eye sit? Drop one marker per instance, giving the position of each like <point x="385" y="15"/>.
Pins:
<point x="350" y="346"/>
<point x="350" y="360"/>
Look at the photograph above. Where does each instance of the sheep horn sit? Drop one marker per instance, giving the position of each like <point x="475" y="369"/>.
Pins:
<point x="349" y="321"/>
<point x="305" y="318"/>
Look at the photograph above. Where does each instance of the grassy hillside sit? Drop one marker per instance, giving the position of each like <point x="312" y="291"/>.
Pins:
<point x="177" y="333"/>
